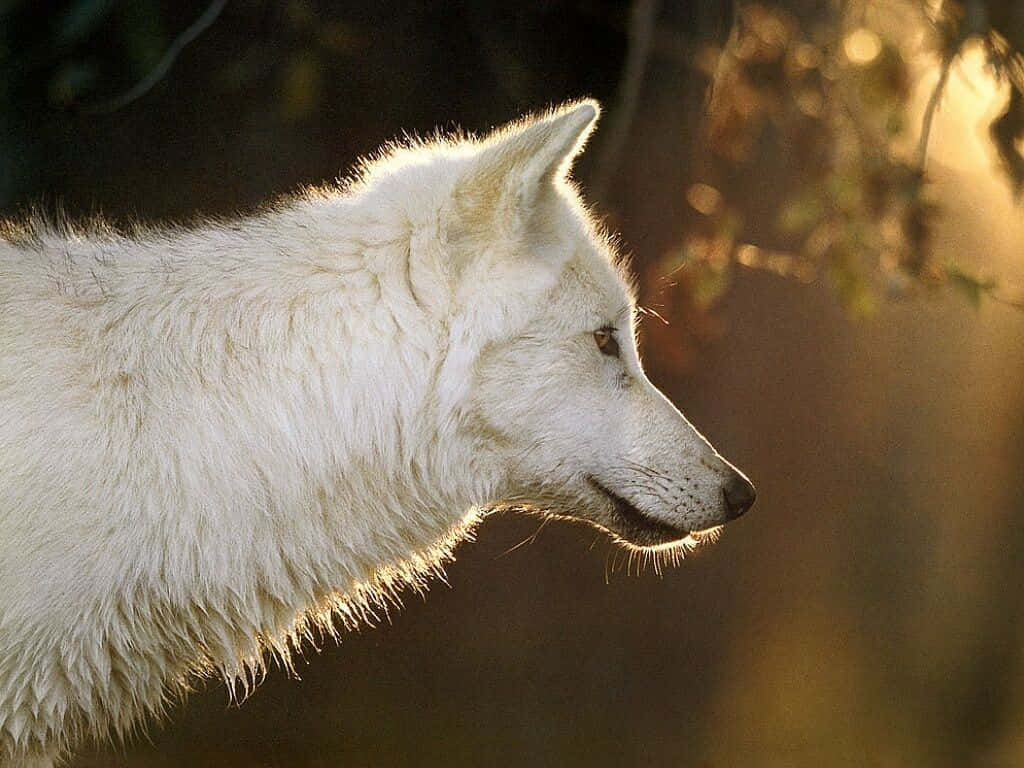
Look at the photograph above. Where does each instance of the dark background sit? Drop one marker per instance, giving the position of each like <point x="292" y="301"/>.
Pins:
<point x="866" y="612"/>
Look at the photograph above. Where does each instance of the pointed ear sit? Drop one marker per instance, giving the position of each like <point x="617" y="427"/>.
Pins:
<point x="519" y="162"/>
<point x="541" y="150"/>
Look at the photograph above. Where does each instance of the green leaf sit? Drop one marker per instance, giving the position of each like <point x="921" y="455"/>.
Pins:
<point x="302" y="86"/>
<point x="80" y="19"/>
<point x="72" y="80"/>
<point x="850" y="286"/>
<point x="709" y="285"/>
<point x="800" y="215"/>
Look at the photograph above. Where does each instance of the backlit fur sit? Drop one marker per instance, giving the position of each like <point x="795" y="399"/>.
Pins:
<point x="217" y="441"/>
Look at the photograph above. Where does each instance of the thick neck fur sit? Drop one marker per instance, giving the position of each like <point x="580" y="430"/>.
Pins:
<point x="295" y="352"/>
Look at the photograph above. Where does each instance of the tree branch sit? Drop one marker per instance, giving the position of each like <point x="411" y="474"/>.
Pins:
<point x="641" y="31"/>
<point x="158" y="72"/>
<point x="929" y="111"/>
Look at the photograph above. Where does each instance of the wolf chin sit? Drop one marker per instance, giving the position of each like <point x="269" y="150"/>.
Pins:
<point x="217" y="441"/>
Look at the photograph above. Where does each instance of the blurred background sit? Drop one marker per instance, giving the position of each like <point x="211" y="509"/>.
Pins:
<point x="821" y="200"/>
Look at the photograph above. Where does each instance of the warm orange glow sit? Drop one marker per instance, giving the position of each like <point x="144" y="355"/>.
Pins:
<point x="972" y="98"/>
<point x="704" y="198"/>
<point x="862" y="46"/>
<point x="670" y="554"/>
<point x="749" y="255"/>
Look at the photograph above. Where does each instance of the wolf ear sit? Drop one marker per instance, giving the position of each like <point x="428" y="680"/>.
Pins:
<point x="540" y="150"/>
<point x="520" y="162"/>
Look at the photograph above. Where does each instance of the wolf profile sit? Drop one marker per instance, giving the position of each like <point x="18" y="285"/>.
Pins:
<point x="215" y="441"/>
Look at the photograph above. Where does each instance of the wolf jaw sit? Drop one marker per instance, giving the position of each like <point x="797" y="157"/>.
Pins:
<point x="633" y="526"/>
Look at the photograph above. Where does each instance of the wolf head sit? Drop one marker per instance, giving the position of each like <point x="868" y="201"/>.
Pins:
<point x="542" y="369"/>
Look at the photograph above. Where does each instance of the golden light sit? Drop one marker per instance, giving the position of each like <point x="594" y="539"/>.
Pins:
<point x="973" y="96"/>
<point x="749" y="255"/>
<point x="810" y="101"/>
<point x="807" y="56"/>
<point x="704" y="198"/>
<point x="862" y="46"/>
<point x="670" y="554"/>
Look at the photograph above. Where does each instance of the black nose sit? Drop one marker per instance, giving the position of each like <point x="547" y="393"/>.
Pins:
<point x="739" y="495"/>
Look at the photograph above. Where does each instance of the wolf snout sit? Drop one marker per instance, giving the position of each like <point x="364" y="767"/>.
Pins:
<point x="739" y="494"/>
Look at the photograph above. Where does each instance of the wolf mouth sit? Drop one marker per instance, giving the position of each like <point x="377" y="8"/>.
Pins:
<point x="633" y="525"/>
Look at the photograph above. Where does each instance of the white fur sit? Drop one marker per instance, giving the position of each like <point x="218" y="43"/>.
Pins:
<point x="216" y="441"/>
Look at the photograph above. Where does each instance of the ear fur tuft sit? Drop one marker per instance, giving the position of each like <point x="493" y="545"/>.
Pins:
<point x="541" y="149"/>
<point x="566" y="131"/>
<point x="518" y="163"/>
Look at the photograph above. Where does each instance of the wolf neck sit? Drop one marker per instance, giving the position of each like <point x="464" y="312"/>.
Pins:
<point x="300" y="359"/>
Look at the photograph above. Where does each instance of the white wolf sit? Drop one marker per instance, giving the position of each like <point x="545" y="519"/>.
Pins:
<point x="218" y="440"/>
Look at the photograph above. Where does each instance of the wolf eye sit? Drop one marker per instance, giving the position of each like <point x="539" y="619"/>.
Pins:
<point x="606" y="342"/>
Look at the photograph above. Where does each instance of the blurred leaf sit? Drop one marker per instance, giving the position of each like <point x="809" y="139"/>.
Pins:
<point x="144" y="38"/>
<point x="71" y="81"/>
<point x="704" y="198"/>
<point x="970" y="287"/>
<point x="80" y="19"/>
<point x="303" y="81"/>
<point x="895" y="124"/>
<point x="708" y="284"/>
<point x="671" y="261"/>
<point x="801" y="215"/>
<point x="731" y="224"/>
<point x="885" y="83"/>
<point x="846" y="188"/>
<point x="301" y="14"/>
<point x="1007" y="131"/>
<point x="240" y="72"/>
<point x="339" y="37"/>
<point x="853" y="291"/>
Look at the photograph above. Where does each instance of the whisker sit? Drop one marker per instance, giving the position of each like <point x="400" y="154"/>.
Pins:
<point x="648" y="311"/>
<point x="528" y="540"/>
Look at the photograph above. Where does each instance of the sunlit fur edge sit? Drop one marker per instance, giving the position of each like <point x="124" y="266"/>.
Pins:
<point x="657" y="556"/>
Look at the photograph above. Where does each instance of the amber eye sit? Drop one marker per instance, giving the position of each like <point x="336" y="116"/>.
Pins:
<point x="605" y="338"/>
